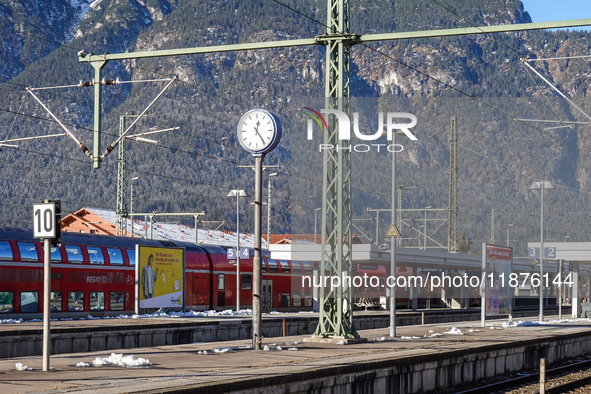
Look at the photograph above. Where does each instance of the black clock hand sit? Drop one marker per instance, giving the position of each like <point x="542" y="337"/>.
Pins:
<point x="257" y="131"/>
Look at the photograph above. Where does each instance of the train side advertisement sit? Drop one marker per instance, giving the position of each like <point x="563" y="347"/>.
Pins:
<point x="160" y="276"/>
<point x="498" y="267"/>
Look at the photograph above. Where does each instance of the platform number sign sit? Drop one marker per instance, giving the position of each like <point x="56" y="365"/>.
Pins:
<point x="549" y="253"/>
<point x="46" y="220"/>
<point x="231" y="253"/>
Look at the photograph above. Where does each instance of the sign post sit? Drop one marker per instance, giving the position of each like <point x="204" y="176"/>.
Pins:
<point x="46" y="225"/>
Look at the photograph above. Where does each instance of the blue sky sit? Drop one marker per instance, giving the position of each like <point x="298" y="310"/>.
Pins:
<point x="553" y="10"/>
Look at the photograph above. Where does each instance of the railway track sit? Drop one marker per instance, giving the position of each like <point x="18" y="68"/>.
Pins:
<point x="558" y="380"/>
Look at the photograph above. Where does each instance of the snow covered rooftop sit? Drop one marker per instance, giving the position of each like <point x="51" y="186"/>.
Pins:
<point x="179" y="232"/>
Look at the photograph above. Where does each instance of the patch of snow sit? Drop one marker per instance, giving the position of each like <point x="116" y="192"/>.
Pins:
<point x="341" y="342"/>
<point x="121" y="361"/>
<point x="223" y="350"/>
<point x="11" y="321"/>
<point x="21" y="367"/>
<point x="454" y="331"/>
<point x="473" y="330"/>
<point x="434" y="335"/>
<point x="82" y="364"/>
<point x="409" y="337"/>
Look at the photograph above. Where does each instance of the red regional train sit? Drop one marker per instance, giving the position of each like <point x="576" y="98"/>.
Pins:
<point x="95" y="275"/>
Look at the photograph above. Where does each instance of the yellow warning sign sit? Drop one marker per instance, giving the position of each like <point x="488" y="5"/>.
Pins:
<point x="402" y="269"/>
<point x="393" y="231"/>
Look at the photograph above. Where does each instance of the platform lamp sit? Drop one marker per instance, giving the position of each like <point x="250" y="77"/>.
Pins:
<point x="237" y="193"/>
<point x="269" y="210"/>
<point x="541" y="186"/>
<point x="425" y="233"/>
<point x="315" y="224"/>
<point x="135" y="178"/>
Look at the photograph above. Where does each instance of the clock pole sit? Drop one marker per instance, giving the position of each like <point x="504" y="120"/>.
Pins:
<point x="256" y="263"/>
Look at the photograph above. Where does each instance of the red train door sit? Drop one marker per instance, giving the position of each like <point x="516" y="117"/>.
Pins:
<point x="267" y="293"/>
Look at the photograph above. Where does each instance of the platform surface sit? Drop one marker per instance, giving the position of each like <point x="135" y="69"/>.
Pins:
<point x="182" y="365"/>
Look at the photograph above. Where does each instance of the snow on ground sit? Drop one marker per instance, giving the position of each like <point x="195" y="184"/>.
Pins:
<point x="383" y="339"/>
<point x="21" y="367"/>
<point x="434" y="335"/>
<point x="533" y="324"/>
<point x="409" y="338"/>
<point x="157" y="314"/>
<point x="120" y="360"/>
<point x="223" y="350"/>
<point x="11" y="321"/>
<point x="454" y="331"/>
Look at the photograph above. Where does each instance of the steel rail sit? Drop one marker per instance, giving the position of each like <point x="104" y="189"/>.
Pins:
<point x="532" y="379"/>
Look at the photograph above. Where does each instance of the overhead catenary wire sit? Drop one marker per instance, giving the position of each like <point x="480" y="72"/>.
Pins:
<point x="558" y="58"/>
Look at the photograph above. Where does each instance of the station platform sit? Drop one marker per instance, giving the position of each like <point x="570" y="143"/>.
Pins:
<point x="70" y="336"/>
<point x="420" y="359"/>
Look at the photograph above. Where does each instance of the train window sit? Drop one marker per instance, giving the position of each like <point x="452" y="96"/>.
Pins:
<point x="55" y="301"/>
<point x="75" y="301"/>
<point x="263" y="265"/>
<point x="115" y="256"/>
<point x="28" y="251"/>
<point x="29" y="301"/>
<point x="285" y="268"/>
<point x="297" y="299"/>
<point x="246" y="280"/>
<point x="131" y="256"/>
<point x="97" y="300"/>
<point x="56" y="255"/>
<point x="308" y="299"/>
<point x="272" y="265"/>
<point x="285" y="300"/>
<point x="307" y="267"/>
<point x="296" y="266"/>
<point x="74" y="254"/>
<point x="5" y="251"/>
<point x="6" y="301"/>
<point x="221" y="281"/>
<point x="95" y="255"/>
<point x="116" y="300"/>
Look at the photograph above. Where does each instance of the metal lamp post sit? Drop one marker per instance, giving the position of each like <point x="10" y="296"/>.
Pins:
<point x="420" y="234"/>
<point x="315" y="224"/>
<point x="131" y="208"/>
<point x="425" y="233"/>
<point x="237" y="193"/>
<point x="269" y="210"/>
<point x="508" y="239"/>
<point x="541" y="186"/>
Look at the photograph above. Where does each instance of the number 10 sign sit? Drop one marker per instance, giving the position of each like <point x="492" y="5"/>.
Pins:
<point x="44" y="220"/>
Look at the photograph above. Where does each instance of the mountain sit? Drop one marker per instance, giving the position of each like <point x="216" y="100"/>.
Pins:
<point x="194" y="168"/>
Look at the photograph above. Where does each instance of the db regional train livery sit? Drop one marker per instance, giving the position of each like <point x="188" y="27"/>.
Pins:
<point x="95" y="275"/>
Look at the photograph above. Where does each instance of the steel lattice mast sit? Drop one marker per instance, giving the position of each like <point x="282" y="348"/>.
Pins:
<point x="121" y="183"/>
<point x="335" y="308"/>
<point x="452" y="229"/>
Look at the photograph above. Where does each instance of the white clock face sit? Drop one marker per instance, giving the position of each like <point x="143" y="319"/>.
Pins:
<point x="256" y="130"/>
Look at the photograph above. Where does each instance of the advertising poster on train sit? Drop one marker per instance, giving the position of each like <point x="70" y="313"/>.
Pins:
<point x="496" y="273"/>
<point x="160" y="274"/>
